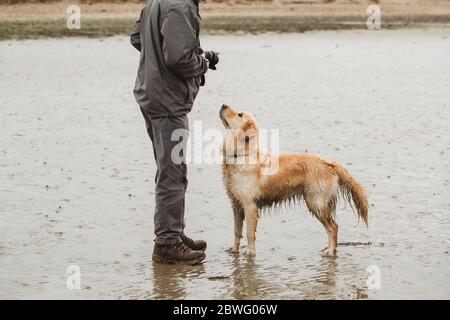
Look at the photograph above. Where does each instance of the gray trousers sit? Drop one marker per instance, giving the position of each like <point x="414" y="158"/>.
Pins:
<point x="171" y="175"/>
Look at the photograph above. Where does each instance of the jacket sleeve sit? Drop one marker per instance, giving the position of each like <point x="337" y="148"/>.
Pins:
<point x="135" y="38"/>
<point x="180" y="41"/>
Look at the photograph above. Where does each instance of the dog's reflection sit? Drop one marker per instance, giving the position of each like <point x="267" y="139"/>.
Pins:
<point x="253" y="281"/>
<point x="322" y="285"/>
<point x="327" y="268"/>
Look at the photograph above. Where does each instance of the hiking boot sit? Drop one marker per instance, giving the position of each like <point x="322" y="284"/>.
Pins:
<point x="177" y="253"/>
<point x="199" y="245"/>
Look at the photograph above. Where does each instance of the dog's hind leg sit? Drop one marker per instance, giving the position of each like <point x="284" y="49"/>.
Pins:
<point x="251" y="216"/>
<point x="238" y="213"/>
<point x="331" y="226"/>
<point x="332" y="230"/>
<point x="324" y="213"/>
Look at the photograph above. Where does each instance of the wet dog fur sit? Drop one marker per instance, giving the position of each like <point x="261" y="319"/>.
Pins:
<point x="298" y="176"/>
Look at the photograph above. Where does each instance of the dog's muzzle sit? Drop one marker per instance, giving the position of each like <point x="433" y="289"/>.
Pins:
<point x="222" y="109"/>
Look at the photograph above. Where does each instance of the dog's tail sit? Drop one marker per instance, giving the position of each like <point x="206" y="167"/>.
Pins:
<point x="353" y="190"/>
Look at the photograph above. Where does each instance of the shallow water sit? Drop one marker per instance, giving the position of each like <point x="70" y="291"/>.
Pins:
<point x="76" y="168"/>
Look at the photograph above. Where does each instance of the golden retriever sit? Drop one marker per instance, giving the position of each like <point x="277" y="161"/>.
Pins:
<point x="250" y="186"/>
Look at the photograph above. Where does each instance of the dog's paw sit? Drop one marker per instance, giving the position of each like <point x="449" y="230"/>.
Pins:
<point x="249" y="253"/>
<point x="328" y="253"/>
<point x="231" y="249"/>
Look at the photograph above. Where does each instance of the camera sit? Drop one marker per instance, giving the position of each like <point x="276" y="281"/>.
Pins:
<point x="213" y="58"/>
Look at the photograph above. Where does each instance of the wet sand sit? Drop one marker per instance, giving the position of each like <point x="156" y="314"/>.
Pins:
<point x="76" y="168"/>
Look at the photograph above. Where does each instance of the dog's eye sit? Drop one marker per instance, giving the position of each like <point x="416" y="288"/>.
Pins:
<point x="240" y="114"/>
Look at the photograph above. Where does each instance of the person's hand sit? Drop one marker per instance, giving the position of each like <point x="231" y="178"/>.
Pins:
<point x="207" y="61"/>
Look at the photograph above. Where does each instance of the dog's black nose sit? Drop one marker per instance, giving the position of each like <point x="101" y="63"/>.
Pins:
<point x="224" y="106"/>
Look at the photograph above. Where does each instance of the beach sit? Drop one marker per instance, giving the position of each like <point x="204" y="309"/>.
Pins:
<point x="77" y="169"/>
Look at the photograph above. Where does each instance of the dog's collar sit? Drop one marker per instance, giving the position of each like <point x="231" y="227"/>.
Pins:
<point x="237" y="159"/>
<point x="231" y="159"/>
<point x="236" y="156"/>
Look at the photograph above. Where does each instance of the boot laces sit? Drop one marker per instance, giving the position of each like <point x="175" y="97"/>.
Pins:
<point x="188" y="241"/>
<point x="182" y="247"/>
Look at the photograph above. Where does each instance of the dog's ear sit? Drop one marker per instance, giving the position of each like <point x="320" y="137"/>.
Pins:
<point x="239" y="141"/>
<point x="250" y="131"/>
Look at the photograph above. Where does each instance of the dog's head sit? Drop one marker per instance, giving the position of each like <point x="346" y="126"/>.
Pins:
<point x="242" y="132"/>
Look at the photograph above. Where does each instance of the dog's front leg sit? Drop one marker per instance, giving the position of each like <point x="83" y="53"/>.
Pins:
<point x="238" y="214"/>
<point x="251" y="215"/>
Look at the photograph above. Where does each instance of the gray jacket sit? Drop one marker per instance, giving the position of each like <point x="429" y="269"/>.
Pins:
<point x="171" y="66"/>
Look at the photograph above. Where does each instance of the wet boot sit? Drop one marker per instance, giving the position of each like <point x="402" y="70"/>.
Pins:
<point x="199" y="245"/>
<point x="177" y="253"/>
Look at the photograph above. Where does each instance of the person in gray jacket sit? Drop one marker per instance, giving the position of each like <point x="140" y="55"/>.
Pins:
<point x="171" y="70"/>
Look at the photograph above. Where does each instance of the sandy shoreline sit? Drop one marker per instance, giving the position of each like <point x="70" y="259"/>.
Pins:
<point x="347" y="9"/>
<point x="76" y="168"/>
<point x="105" y="19"/>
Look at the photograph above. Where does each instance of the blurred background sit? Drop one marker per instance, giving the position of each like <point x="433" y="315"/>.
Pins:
<point x="45" y="18"/>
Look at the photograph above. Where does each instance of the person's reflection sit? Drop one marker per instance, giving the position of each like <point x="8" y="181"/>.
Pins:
<point x="169" y="280"/>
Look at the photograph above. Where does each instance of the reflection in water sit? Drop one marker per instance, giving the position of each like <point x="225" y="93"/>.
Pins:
<point x="246" y="281"/>
<point x="320" y="283"/>
<point x="247" y="278"/>
<point x="325" y="281"/>
<point x="329" y="282"/>
<point x="327" y="272"/>
<point x="169" y="281"/>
